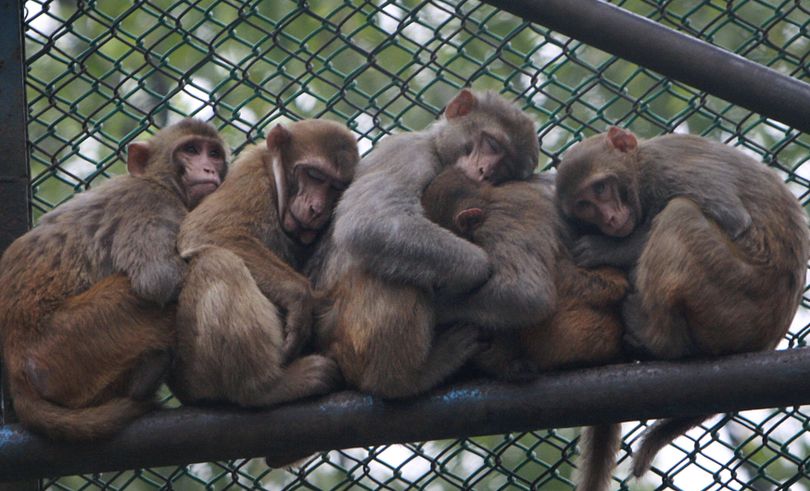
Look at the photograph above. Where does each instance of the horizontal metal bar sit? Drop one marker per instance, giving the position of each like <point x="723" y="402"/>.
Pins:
<point x="348" y="419"/>
<point x="674" y="55"/>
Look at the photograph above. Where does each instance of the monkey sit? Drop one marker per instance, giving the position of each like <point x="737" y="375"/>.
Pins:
<point x="245" y="310"/>
<point x="715" y="243"/>
<point x="86" y="297"/>
<point x="384" y="261"/>
<point x="518" y="225"/>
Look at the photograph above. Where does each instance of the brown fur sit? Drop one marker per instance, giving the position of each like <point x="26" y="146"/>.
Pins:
<point x="85" y="297"/>
<point x="386" y="260"/>
<point x="718" y="253"/>
<point x="581" y="327"/>
<point x="245" y="310"/>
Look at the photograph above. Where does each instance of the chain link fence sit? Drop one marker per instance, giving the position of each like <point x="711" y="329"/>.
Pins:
<point x="101" y="73"/>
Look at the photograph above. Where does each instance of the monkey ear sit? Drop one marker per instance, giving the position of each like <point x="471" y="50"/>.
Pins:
<point x="137" y="158"/>
<point x="278" y="137"/>
<point x="622" y="140"/>
<point x="461" y="105"/>
<point x="469" y="219"/>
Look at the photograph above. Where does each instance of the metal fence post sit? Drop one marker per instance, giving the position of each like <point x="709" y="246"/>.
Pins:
<point x="15" y="207"/>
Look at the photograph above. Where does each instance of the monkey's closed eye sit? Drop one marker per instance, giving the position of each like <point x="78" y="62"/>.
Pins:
<point x="491" y="145"/>
<point x="316" y="175"/>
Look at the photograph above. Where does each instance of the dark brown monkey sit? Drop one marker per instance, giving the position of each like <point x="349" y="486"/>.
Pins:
<point x="84" y="296"/>
<point x="716" y="242"/>
<point x="386" y="260"/>
<point x="518" y="225"/>
<point x="245" y="310"/>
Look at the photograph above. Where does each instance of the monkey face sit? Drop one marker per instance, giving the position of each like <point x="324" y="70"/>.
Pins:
<point x="202" y="163"/>
<point x="599" y="201"/>
<point x="316" y="187"/>
<point x="485" y="158"/>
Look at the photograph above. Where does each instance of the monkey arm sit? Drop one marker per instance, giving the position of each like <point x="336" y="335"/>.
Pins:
<point x="726" y="209"/>
<point x="598" y="250"/>
<point x="381" y="224"/>
<point x="522" y="290"/>
<point x="282" y="285"/>
<point x="144" y="248"/>
<point x="507" y="301"/>
<point x="599" y="288"/>
<point x="706" y="172"/>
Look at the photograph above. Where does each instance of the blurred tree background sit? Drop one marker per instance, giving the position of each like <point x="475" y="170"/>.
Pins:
<point x="102" y="73"/>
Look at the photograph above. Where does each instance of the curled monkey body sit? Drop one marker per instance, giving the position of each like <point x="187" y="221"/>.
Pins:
<point x="576" y="322"/>
<point x="87" y="297"/>
<point x="245" y="310"/>
<point x="386" y="261"/>
<point x="716" y="243"/>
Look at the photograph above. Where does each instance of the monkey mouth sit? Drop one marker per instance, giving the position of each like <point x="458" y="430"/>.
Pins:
<point x="625" y="228"/>
<point x="304" y="232"/>
<point x="205" y="182"/>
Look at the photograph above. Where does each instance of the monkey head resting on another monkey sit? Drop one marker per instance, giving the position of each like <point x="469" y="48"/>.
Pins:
<point x="715" y="243"/>
<point x="86" y="297"/>
<point x="245" y="310"/>
<point x="385" y="259"/>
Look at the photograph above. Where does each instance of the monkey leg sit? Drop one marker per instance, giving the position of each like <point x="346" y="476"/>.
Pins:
<point x="102" y="343"/>
<point x="229" y="339"/>
<point x="505" y="357"/>
<point x="694" y="287"/>
<point x="576" y="336"/>
<point x="383" y="338"/>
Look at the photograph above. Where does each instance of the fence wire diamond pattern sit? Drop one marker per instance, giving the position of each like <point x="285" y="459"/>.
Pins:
<point x="100" y="74"/>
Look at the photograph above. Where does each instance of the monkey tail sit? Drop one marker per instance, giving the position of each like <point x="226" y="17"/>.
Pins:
<point x="68" y="424"/>
<point x="657" y="437"/>
<point x="599" y="446"/>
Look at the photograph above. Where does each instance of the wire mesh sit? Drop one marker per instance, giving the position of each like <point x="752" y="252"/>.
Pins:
<point x="100" y="74"/>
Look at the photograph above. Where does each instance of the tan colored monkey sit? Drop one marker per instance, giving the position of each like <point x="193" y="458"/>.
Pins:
<point x="85" y="296"/>
<point x="245" y="310"/>
<point x="716" y="243"/>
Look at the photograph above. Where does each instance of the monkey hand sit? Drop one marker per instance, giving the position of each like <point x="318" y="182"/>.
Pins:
<point x="159" y="281"/>
<point x="735" y="221"/>
<point x="467" y="276"/>
<point x="592" y="250"/>
<point x="298" y="325"/>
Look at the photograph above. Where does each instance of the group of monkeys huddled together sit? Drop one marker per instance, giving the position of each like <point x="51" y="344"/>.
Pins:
<point x="303" y="268"/>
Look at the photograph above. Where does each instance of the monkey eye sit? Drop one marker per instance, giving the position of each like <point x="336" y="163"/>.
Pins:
<point x="215" y="153"/>
<point x="190" y="148"/>
<point x="491" y="145"/>
<point x="316" y="175"/>
<point x="468" y="148"/>
<point x="339" y="186"/>
<point x="599" y="188"/>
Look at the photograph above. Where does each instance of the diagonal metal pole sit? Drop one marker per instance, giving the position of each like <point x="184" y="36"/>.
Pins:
<point x="672" y="54"/>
